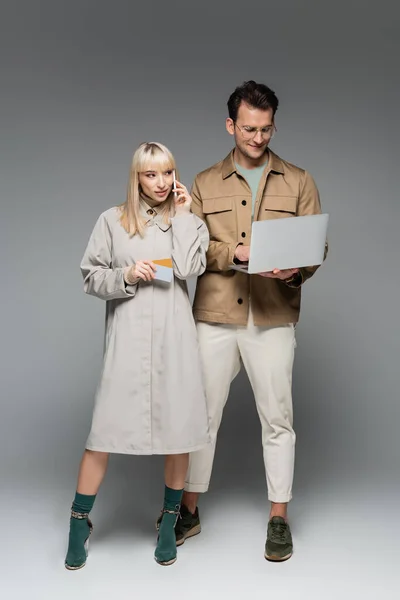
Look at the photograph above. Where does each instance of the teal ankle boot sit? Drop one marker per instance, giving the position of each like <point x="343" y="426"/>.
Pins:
<point x="80" y="529"/>
<point x="78" y="545"/>
<point x="166" y="552"/>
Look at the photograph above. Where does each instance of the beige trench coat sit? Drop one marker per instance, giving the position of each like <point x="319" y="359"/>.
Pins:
<point x="150" y="398"/>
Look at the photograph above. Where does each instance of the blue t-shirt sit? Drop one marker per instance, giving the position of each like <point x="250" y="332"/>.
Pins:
<point x="253" y="178"/>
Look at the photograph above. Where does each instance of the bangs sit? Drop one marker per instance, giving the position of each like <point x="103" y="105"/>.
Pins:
<point x="154" y="157"/>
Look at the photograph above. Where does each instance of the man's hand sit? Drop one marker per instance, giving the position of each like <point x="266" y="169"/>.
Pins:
<point x="277" y="274"/>
<point x="242" y="253"/>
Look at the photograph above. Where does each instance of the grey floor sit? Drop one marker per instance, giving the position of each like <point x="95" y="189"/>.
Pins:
<point x="344" y="517"/>
<point x="345" y="536"/>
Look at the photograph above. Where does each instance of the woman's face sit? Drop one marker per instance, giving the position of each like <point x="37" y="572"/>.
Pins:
<point x="157" y="185"/>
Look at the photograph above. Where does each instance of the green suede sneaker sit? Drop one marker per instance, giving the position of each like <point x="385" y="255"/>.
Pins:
<point x="279" y="545"/>
<point x="187" y="525"/>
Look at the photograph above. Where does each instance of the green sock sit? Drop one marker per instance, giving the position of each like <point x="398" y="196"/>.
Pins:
<point x="79" y="531"/>
<point x="83" y="503"/>
<point x="166" y="543"/>
<point x="172" y="498"/>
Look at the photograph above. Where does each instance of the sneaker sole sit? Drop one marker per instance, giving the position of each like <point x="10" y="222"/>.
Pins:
<point x="191" y="533"/>
<point x="274" y="558"/>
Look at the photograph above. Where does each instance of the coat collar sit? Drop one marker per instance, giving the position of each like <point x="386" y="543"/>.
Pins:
<point x="150" y="213"/>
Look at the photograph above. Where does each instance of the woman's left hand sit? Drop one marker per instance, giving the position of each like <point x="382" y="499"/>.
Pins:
<point x="182" y="198"/>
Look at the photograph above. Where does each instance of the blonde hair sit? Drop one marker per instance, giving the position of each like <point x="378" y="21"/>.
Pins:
<point x="148" y="157"/>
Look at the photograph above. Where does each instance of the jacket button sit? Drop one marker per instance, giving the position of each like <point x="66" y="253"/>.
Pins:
<point x="150" y="211"/>
<point x="243" y="234"/>
<point x="240" y="301"/>
<point x="244" y="202"/>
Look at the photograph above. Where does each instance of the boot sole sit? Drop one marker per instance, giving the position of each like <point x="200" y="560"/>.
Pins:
<point x="166" y="563"/>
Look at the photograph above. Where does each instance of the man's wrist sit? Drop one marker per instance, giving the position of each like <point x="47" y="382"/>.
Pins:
<point x="236" y="261"/>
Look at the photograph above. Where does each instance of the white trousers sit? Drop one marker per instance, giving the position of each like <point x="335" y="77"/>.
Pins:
<point x="267" y="354"/>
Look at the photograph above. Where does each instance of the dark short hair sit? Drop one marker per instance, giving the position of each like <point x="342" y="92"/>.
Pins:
<point x="256" y="95"/>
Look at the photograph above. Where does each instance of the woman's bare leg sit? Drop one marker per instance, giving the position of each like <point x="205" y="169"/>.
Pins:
<point x="175" y="469"/>
<point x="91" y="472"/>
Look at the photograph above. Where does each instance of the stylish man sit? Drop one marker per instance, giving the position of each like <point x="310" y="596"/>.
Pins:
<point x="249" y="319"/>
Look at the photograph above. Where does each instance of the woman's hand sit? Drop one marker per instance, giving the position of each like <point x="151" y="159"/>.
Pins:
<point x="183" y="199"/>
<point x="142" y="269"/>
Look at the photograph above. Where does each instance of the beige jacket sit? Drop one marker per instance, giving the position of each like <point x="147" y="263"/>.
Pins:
<point x="222" y="198"/>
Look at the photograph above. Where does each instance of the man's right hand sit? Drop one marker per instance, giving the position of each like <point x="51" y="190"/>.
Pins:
<point x="143" y="269"/>
<point x="242" y="253"/>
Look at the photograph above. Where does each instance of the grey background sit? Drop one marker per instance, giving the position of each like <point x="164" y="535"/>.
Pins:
<point x="82" y="84"/>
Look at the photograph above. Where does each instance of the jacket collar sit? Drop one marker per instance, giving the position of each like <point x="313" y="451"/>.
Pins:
<point x="274" y="164"/>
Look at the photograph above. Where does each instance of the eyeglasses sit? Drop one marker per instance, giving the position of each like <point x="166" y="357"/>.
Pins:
<point x="250" y="132"/>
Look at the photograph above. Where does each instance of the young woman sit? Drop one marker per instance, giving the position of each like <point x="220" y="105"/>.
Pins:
<point x="150" y="399"/>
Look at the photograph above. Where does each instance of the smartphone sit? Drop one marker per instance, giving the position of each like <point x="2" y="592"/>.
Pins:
<point x="174" y="184"/>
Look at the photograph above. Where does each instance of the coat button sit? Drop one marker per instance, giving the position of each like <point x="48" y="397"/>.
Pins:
<point x="244" y="202"/>
<point x="150" y="211"/>
<point x="240" y="301"/>
<point x="243" y="234"/>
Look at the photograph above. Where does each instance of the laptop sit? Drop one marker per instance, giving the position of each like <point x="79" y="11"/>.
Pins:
<point x="287" y="243"/>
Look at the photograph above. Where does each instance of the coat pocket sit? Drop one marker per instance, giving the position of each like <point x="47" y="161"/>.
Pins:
<point x="219" y="214"/>
<point x="277" y="207"/>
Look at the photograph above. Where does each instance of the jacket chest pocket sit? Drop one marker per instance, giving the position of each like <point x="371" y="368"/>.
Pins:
<point x="278" y="207"/>
<point x="219" y="214"/>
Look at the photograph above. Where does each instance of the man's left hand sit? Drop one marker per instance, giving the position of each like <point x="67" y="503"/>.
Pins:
<point x="277" y="274"/>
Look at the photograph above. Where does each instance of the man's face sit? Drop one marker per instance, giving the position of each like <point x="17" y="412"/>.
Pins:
<point x="252" y="130"/>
